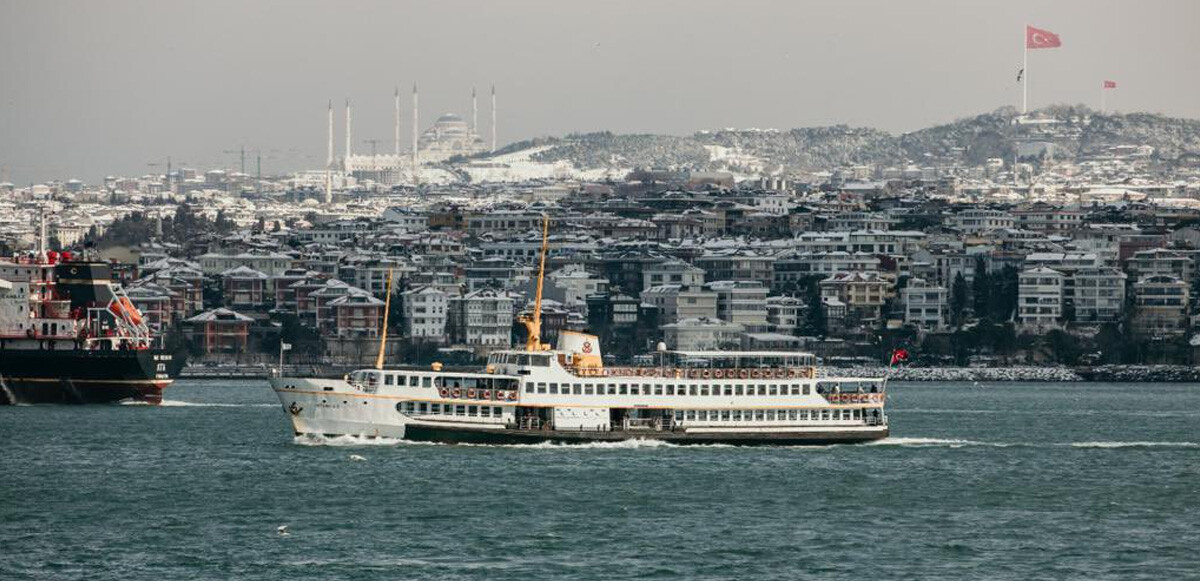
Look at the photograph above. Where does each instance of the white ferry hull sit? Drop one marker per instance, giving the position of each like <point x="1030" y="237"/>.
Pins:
<point x="420" y="431"/>
<point x="331" y="408"/>
<point x="322" y="407"/>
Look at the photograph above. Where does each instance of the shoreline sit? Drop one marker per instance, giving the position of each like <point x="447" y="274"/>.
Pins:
<point x="1098" y="374"/>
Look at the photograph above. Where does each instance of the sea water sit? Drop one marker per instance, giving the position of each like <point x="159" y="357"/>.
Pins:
<point x="995" y="481"/>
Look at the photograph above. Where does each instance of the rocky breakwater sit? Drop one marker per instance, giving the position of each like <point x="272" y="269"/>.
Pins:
<point x="956" y="373"/>
<point x="1141" y="373"/>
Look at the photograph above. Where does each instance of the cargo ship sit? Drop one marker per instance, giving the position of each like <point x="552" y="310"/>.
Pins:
<point x="69" y="334"/>
<point x="566" y="394"/>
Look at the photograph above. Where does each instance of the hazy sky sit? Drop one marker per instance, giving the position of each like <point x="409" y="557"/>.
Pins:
<point x="93" y="88"/>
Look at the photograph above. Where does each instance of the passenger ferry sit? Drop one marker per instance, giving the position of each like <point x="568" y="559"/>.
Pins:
<point x="566" y="394"/>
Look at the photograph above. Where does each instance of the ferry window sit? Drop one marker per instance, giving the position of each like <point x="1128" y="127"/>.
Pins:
<point x="691" y="415"/>
<point x="578" y="389"/>
<point x="485" y="411"/>
<point x="728" y="390"/>
<point x="724" y="415"/>
<point x="553" y="388"/>
<point x="704" y="390"/>
<point x="774" y="390"/>
<point x="541" y="387"/>
<point x="678" y="415"/>
<point x="472" y="410"/>
<point x="624" y="389"/>
<point x="658" y="389"/>
<point x="824" y="414"/>
<point x="590" y="389"/>
<point x="425" y="381"/>
<point x="692" y="390"/>
<point x="792" y="415"/>
<point x="387" y="379"/>
<point x="496" y="411"/>
<point x="612" y="389"/>
<point x="422" y="407"/>
<point x="400" y="407"/>
<point x="635" y="389"/>
<point x="540" y="360"/>
<point x="438" y="382"/>
<point x="737" y="415"/>
<point x="460" y="410"/>
<point x="670" y="390"/>
<point x="762" y="390"/>
<point x="807" y="389"/>
<point x="758" y="415"/>
<point x="435" y="408"/>
<point x="412" y="380"/>
<point x="795" y="389"/>
<point x="856" y="414"/>
<point x="529" y="387"/>
<point x="738" y="390"/>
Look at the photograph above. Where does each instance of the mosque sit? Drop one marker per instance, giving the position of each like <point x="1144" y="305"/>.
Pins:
<point x="449" y="136"/>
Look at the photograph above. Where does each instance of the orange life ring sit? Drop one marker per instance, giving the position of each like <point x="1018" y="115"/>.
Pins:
<point x="743" y="373"/>
<point x="512" y="396"/>
<point x="706" y="374"/>
<point x="444" y="392"/>
<point x="791" y="373"/>
<point x="470" y="394"/>
<point x="487" y="394"/>
<point x="718" y="373"/>
<point x="756" y="374"/>
<point x="457" y="393"/>
<point x="694" y="374"/>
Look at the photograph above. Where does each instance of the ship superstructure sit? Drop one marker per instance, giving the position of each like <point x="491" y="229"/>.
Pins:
<point x="69" y="334"/>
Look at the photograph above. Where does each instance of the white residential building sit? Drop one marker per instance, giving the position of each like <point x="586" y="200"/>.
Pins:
<point x="425" y="313"/>
<point x="1040" y="298"/>
<point x="1099" y="295"/>
<point x="925" y="304"/>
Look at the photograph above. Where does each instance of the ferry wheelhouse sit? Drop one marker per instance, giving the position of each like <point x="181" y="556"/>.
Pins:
<point x="567" y="394"/>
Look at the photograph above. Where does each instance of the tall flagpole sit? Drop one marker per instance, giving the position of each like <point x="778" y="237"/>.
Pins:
<point x="1025" y="74"/>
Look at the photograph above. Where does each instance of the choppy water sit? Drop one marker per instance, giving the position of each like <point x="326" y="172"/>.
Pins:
<point x="1005" y="481"/>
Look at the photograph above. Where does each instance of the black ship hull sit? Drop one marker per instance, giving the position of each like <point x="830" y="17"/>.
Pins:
<point x="460" y="435"/>
<point x="81" y="376"/>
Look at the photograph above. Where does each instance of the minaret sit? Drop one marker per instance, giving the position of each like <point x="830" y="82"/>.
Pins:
<point x="415" y="120"/>
<point x="347" y="132"/>
<point x="493" y="118"/>
<point x="474" y="114"/>
<point x="397" y="121"/>
<point x="329" y="159"/>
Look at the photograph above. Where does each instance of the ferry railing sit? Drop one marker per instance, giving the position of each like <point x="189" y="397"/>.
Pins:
<point x="702" y="372"/>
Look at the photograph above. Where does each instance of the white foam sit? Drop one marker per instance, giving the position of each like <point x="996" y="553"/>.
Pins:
<point x="609" y="445"/>
<point x="354" y="441"/>
<point x="171" y="403"/>
<point x="1135" y="445"/>
<point x="928" y="442"/>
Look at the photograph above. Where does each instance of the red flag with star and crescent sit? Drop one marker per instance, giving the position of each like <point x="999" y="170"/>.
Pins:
<point x="1038" y="38"/>
<point x="1110" y="84"/>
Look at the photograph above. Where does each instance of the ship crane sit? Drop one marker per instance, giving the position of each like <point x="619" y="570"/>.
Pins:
<point x="533" y="323"/>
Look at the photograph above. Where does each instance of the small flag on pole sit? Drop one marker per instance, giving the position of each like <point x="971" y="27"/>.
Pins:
<point x="899" y="355"/>
<point x="285" y="346"/>
<point x="1110" y="84"/>
<point x="1038" y="38"/>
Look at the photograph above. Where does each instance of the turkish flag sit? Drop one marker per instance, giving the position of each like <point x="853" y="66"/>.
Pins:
<point x="1110" y="84"/>
<point x="1038" y="38"/>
